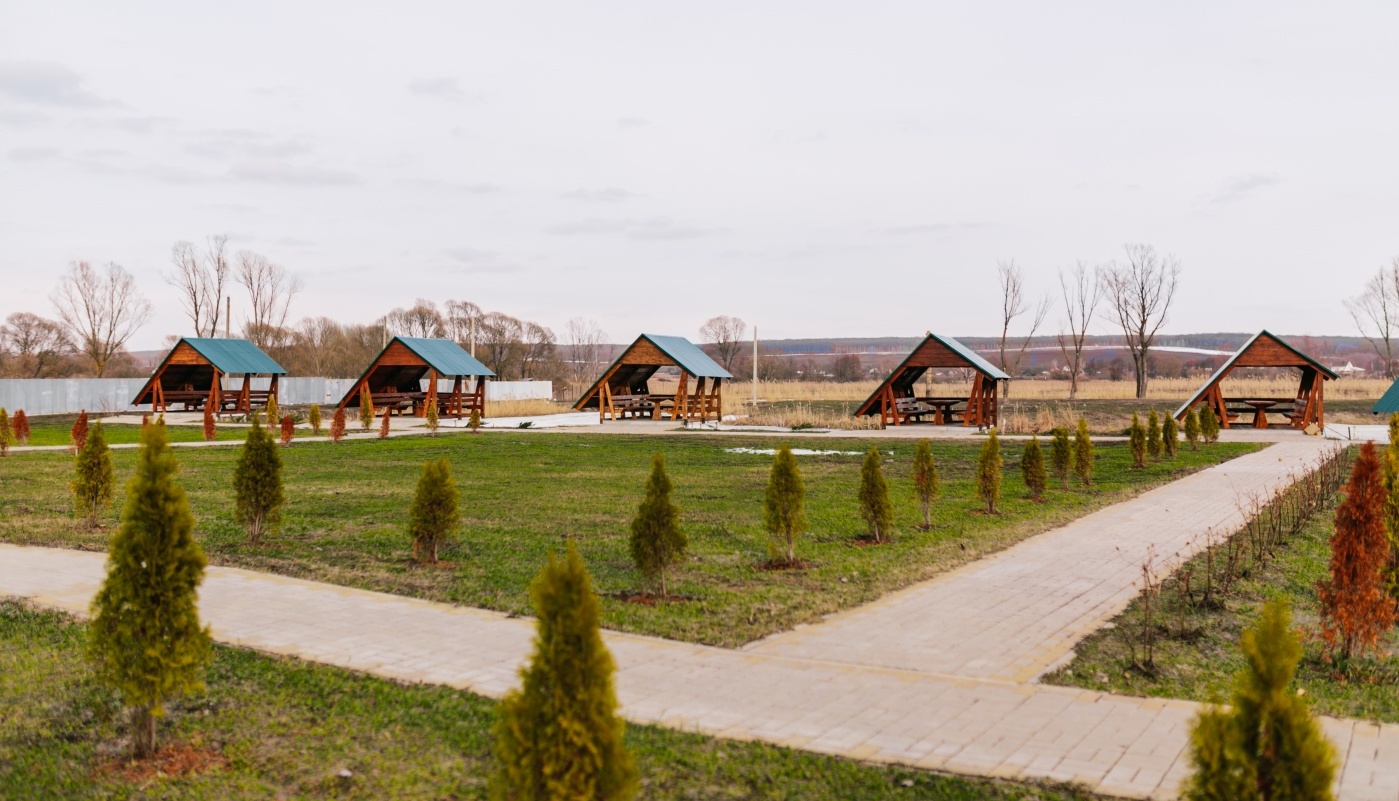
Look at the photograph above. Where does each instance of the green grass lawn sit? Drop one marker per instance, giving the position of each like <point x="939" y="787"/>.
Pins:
<point x="1201" y="665"/>
<point x="523" y="493"/>
<point x="281" y="728"/>
<point x="51" y="431"/>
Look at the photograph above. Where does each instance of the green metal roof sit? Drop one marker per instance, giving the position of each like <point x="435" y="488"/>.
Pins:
<point x="688" y="355"/>
<point x="1388" y="402"/>
<point x="235" y="356"/>
<point x="446" y="356"/>
<point x="1229" y="365"/>
<point x="981" y="365"/>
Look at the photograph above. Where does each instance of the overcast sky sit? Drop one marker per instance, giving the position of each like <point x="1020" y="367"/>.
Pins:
<point x="816" y="168"/>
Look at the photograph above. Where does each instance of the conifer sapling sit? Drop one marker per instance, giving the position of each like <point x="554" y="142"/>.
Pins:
<point x="558" y="735"/>
<point x="1356" y="609"/>
<point x="288" y="429"/>
<point x="273" y="413"/>
<point x="6" y="432"/>
<point x="337" y="424"/>
<point x="145" y="637"/>
<point x="384" y="424"/>
<point x="1209" y="425"/>
<point x="784" y="511"/>
<point x="1170" y="437"/>
<point x="430" y="419"/>
<point x="313" y="416"/>
<point x="366" y="409"/>
<point x="875" y="506"/>
<point x="20" y="424"/>
<point x="1083" y="454"/>
<point x="1266" y="744"/>
<point x="1032" y="468"/>
<point x="257" y="484"/>
<point x="210" y="430"/>
<point x="78" y="433"/>
<point x="988" y="472"/>
<point x="1153" y="436"/>
<point x="1192" y="428"/>
<point x="1136" y="441"/>
<point x="474" y="422"/>
<point x="94" y="478"/>
<point x="1061" y="456"/>
<point x="1390" y="464"/>
<point x="433" y="517"/>
<point x="925" y="480"/>
<point x="657" y="541"/>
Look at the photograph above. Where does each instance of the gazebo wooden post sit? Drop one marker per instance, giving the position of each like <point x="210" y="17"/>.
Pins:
<point x="976" y="402"/>
<point x="1320" y="391"/>
<point x="214" y="389"/>
<point x="680" y="410"/>
<point x="272" y="390"/>
<point x="480" y="393"/>
<point x="716" y="401"/>
<point x="697" y="406"/>
<point x="431" y="391"/>
<point x="245" y="402"/>
<point x="604" y="399"/>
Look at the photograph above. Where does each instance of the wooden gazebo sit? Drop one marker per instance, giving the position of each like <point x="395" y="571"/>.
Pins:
<point x="896" y="401"/>
<point x="1267" y="350"/>
<point x="624" y="390"/>
<point x="192" y="375"/>
<point x="394" y="380"/>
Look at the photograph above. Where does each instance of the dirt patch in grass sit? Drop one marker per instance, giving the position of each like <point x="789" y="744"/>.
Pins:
<point x="171" y="761"/>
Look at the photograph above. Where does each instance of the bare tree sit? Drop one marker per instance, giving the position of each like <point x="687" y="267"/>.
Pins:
<point x="270" y="291"/>
<point x="201" y="278"/>
<point x="1082" y="290"/>
<point x="419" y="320"/>
<point x="1140" y="293"/>
<point x="537" y="353"/>
<point x="499" y="337"/>
<point x="34" y="347"/>
<point x="458" y="320"/>
<point x="1013" y="304"/>
<point x="1376" y="313"/>
<point x="584" y="340"/>
<point x="101" y="309"/>
<point x="725" y="334"/>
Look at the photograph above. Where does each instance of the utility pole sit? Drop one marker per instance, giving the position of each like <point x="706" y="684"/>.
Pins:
<point x="473" y="337"/>
<point x="755" y="368"/>
<point x="228" y="318"/>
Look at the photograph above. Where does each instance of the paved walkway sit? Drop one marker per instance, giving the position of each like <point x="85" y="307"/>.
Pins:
<point x="803" y="689"/>
<point x="1016" y="614"/>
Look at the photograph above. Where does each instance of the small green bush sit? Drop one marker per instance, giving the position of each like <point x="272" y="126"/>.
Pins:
<point x="925" y="480"/>
<point x="988" y="472"/>
<point x="257" y="484"/>
<point x="1209" y="425"/>
<point x="433" y="518"/>
<point x="94" y="479"/>
<point x="1032" y="468"/>
<point x="1136" y="441"/>
<point x="657" y="541"/>
<point x="1153" y="436"/>
<point x="313" y="416"/>
<point x="874" y="497"/>
<point x="366" y="409"/>
<point x="6" y="433"/>
<point x="273" y="413"/>
<point x="1061" y="456"/>
<point x="1170" y="437"/>
<point x="430" y="419"/>
<point x="784" y="511"/>
<point x="1083" y="454"/>
<point x="1192" y="428"/>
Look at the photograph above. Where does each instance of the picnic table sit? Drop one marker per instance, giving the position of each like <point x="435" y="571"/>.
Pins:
<point x="942" y="408"/>
<point x="1260" y="411"/>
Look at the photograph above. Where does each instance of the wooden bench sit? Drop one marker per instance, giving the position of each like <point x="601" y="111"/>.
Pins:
<point x="190" y="399"/>
<point x="396" y="402"/>
<point x="1299" y="410"/>
<point x="912" y="408"/>
<point x="635" y="405"/>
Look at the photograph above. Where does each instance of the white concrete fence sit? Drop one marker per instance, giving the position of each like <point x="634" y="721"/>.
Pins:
<point x="72" y="395"/>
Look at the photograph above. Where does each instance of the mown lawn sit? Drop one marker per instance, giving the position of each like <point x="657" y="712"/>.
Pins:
<point x="52" y="431"/>
<point x="281" y="728"/>
<point x="523" y="493"/>
<point x="1201" y="664"/>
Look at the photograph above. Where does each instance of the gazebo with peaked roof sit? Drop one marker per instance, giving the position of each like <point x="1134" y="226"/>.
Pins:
<point x="1265" y="349"/>
<point x="394" y="379"/>
<point x="192" y="374"/>
<point x="624" y="390"/>
<point x="896" y="400"/>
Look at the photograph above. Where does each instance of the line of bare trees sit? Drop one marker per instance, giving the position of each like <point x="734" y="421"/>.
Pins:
<point x="1376" y="313"/>
<point x="1138" y="292"/>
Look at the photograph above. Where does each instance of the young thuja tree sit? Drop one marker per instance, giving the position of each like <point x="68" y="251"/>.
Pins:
<point x="433" y="517"/>
<point x="474" y="422"/>
<point x="874" y="497"/>
<point x="6" y="433"/>
<point x="1136" y="441"/>
<point x="988" y="472"/>
<point x="1032" y="468"/>
<point x="145" y="638"/>
<point x="313" y="416"/>
<point x="94" y="479"/>
<point x="1356" y="609"/>
<point x="431" y="420"/>
<point x="21" y="427"/>
<point x="1153" y="435"/>
<point x="1083" y="454"/>
<point x="784" y="511"/>
<point x="657" y="541"/>
<point x="1209" y="425"/>
<point x="257" y="484"/>
<point x="337" y="424"/>
<point x="1061" y="455"/>
<point x="1170" y="437"/>
<point x="273" y="412"/>
<point x="210" y="428"/>
<point x="1192" y="428"/>
<point x="925" y="480"/>
<point x="78" y="433"/>
<point x="366" y="409"/>
<point x="1391" y="506"/>
<point x="1265" y="745"/>
<point x="384" y="424"/>
<point x="288" y="429"/>
<point x="559" y="735"/>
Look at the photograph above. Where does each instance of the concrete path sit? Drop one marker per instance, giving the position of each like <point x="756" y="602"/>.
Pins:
<point x="932" y="676"/>
<point x="1016" y="614"/>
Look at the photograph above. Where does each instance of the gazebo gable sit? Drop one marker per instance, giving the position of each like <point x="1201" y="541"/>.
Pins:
<point x="934" y="352"/>
<point x="645" y="356"/>
<point x="405" y="360"/>
<point x="1263" y="349"/>
<point x="201" y="358"/>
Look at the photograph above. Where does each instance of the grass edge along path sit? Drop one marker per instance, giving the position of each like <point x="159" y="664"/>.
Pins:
<point x="277" y="726"/>
<point x="1196" y="654"/>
